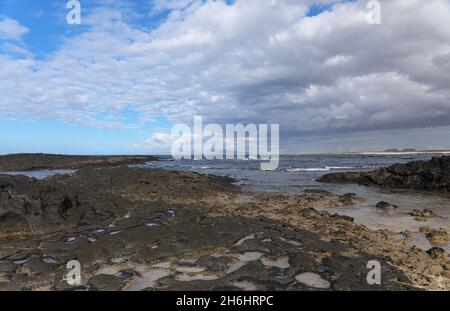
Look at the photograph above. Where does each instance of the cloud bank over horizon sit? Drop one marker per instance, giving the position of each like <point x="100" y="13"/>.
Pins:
<point x="330" y="79"/>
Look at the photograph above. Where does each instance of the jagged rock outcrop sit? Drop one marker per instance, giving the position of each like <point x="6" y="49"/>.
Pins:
<point x="432" y="175"/>
<point x="93" y="196"/>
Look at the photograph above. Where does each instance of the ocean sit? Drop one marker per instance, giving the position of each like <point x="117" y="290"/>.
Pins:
<point x="295" y="173"/>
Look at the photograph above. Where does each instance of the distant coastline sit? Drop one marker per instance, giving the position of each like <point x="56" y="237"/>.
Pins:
<point x="403" y="151"/>
<point x="376" y="152"/>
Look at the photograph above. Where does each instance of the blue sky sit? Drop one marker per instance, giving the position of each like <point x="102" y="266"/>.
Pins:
<point x="47" y="26"/>
<point x="120" y="80"/>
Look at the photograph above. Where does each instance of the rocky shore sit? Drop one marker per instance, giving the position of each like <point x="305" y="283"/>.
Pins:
<point x="432" y="175"/>
<point x="151" y="229"/>
<point x="40" y="161"/>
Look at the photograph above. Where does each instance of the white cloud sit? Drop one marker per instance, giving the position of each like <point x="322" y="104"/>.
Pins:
<point x="159" y="142"/>
<point x="11" y="29"/>
<point x="254" y="61"/>
<point x="159" y="137"/>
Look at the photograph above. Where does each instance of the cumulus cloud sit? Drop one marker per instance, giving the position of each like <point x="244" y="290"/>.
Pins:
<point x="11" y="29"/>
<point x="252" y="61"/>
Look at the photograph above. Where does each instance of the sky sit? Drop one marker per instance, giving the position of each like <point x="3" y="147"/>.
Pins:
<point x="119" y="81"/>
